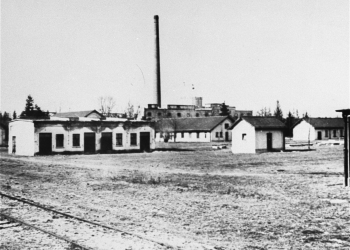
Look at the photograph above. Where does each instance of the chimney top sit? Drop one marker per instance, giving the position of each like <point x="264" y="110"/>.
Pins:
<point x="156" y="17"/>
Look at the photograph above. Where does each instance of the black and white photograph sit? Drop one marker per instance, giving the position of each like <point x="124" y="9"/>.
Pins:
<point x="187" y="124"/>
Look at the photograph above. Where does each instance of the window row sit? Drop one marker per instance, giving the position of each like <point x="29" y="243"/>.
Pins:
<point x="329" y="132"/>
<point x="183" y="134"/>
<point x="178" y="114"/>
<point x="76" y="140"/>
<point x="218" y="134"/>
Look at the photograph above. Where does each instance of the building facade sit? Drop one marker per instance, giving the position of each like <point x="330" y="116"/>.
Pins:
<point x="318" y="129"/>
<point x="200" y="129"/>
<point x="82" y="135"/>
<point x="153" y="112"/>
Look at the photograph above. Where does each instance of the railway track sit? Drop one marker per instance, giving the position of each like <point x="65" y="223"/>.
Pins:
<point x="76" y="233"/>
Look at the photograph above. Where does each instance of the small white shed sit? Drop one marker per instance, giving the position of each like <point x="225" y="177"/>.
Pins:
<point x="253" y="134"/>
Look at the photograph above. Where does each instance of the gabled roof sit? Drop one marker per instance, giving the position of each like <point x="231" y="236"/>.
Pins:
<point x="190" y="123"/>
<point x="324" y="123"/>
<point x="261" y="122"/>
<point x="77" y="114"/>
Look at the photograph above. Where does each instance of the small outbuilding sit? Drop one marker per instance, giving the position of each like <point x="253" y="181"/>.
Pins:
<point x="252" y="134"/>
<point x="79" y="135"/>
<point x="318" y="129"/>
<point x="194" y="129"/>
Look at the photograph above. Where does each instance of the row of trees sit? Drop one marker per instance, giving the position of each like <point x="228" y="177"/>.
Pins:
<point x="107" y="103"/>
<point x="289" y="121"/>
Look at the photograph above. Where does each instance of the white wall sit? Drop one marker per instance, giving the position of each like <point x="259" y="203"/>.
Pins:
<point x="188" y="137"/>
<point x="27" y="137"/>
<point x="242" y="144"/>
<point x="302" y="130"/>
<point x="261" y="139"/>
<point x="24" y="133"/>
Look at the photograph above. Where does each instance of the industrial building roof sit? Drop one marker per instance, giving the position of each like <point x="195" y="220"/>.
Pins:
<point x="324" y="122"/>
<point x="261" y="122"/>
<point x="77" y="114"/>
<point x="190" y="124"/>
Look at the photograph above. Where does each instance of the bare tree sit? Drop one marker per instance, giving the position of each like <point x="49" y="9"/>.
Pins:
<point x="264" y="112"/>
<point x="130" y="110"/>
<point x="106" y="104"/>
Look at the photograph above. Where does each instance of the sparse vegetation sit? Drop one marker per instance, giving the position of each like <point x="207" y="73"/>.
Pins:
<point x="199" y="198"/>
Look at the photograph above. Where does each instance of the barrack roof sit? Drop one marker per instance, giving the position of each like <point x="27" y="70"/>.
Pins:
<point x="261" y="122"/>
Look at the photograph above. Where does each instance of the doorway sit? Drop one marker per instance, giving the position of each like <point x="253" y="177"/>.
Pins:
<point x="145" y="141"/>
<point x="269" y="141"/>
<point x="45" y="143"/>
<point x="226" y="136"/>
<point x="106" y="142"/>
<point x="89" y="142"/>
<point x="319" y="135"/>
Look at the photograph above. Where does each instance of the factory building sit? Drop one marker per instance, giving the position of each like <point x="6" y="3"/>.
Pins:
<point x="154" y="113"/>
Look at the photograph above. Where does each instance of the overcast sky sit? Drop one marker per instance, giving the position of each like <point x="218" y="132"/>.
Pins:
<point x="248" y="53"/>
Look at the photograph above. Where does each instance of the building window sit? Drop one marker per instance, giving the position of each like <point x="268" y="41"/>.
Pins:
<point x="197" y="134"/>
<point x="59" y="141"/>
<point x="334" y="133"/>
<point x="206" y="114"/>
<point x="189" y="134"/>
<point x="119" y="139"/>
<point x="149" y="114"/>
<point x="217" y="134"/>
<point x="341" y="133"/>
<point x="178" y="114"/>
<point x="133" y="139"/>
<point x="227" y="125"/>
<point x="205" y="135"/>
<point x="326" y="135"/>
<point x="188" y="115"/>
<point x="182" y="134"/>
<point x="159" y="114"/>
<point x="197" y="114"/>
<point x="244" y="137"/>
<point x="76" y="140"/>
<point x="221" y="134"/>
<point x="169" y="114"/>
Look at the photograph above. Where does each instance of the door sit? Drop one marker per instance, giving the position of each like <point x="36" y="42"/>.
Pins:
<point x="145" y="141"/>
<point x="13" y="144"/>
<point x="269" y="141"/>
<point x="45" y="143"/>
<point x="106" y="142"/>
<point x="89" y="142"/>
<point x="226" y="136"/>
<point x="319" y="135"/>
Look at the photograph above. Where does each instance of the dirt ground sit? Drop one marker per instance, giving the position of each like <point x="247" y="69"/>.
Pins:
<point x="198" y="198"/>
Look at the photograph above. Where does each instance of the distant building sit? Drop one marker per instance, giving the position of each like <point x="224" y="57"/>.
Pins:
<point x="194" y="129"/>
<point x="79" y="135"/>
<point x="256" y="133"/>
<point x="318" y="129"/>
<point x="86" y="114"/>
<point x="153" y="112"/>
<point x="3" y="131"/>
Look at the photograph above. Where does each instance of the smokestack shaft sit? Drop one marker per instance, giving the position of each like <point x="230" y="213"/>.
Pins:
<point x="157" y="57"/>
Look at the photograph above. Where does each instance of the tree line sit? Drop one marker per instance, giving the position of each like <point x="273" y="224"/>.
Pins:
<point x="289" y="120"/>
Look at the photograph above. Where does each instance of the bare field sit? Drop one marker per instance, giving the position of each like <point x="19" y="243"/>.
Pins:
<point x="198" y="198"/>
